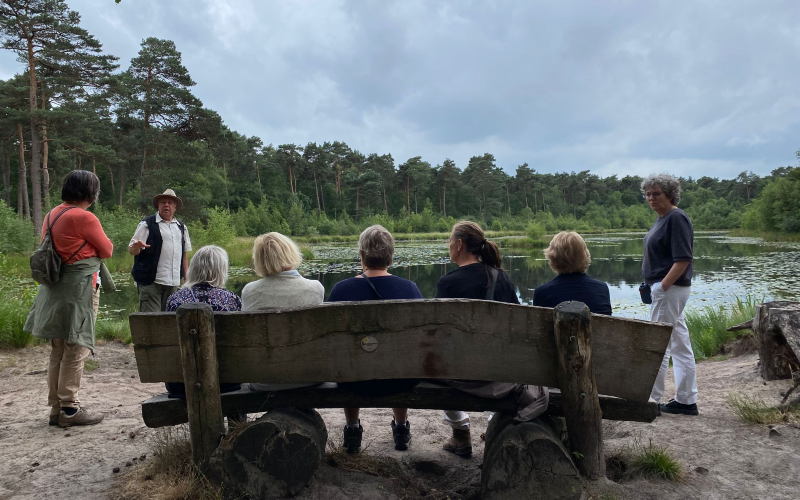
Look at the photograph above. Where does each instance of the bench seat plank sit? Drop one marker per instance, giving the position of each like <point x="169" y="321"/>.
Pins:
<point x="160" y="410"/>
<point x="430" y="339"/>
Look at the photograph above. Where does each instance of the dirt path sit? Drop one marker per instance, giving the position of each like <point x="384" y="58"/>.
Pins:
<point x="738" y="461"/>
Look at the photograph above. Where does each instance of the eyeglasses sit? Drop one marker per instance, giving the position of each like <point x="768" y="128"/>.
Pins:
<point x="654" y="194"/>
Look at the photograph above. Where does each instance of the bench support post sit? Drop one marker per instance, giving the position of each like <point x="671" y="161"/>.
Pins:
<point x="573" y="337"/>
<point x="198" y="344"/>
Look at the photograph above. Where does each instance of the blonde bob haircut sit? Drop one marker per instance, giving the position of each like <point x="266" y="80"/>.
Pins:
<point x="376" y="246"/>
<point x="274" y="253"/>
<point x="209" y="265"/>
<point x="567" y="253"/>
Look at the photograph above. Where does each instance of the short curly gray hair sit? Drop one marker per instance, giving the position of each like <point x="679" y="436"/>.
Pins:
<point x="670" y="185"/>
<point x="209" y="265"/>
<point x="376" y="246"/>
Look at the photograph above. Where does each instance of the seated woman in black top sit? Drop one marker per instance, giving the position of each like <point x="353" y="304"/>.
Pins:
<point x="570" y="258"/>
<point x="480" y="276"/>
<point x="376" y="248"/>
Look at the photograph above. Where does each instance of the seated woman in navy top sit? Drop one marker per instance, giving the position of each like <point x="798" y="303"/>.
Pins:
<point x="376" y="248"/>
<point x="205" y="282"/>
<point x="570" y="258"/>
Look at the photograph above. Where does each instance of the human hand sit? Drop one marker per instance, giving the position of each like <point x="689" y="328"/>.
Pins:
<point x="139" y="245"/>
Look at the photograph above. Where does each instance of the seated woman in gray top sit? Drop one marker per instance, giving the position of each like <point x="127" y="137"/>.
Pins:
<point x="276" y="258"/>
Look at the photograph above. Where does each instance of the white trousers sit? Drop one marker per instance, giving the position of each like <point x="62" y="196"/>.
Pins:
<point x="668" y="307"/>
<point x="532" y="400"/>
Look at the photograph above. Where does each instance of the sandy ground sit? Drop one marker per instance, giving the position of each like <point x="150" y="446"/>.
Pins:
<point x="725" y="459"/>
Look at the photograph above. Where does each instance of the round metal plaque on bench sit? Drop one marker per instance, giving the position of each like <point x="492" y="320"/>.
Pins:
<point x="369" y="344"/>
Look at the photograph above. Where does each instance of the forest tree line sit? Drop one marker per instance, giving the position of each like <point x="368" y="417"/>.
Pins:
<point x="141" y="129"/>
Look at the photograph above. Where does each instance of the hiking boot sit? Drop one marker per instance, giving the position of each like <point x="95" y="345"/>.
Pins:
<point x="352" y="438"/>
<point x="401" y="435"/>
<point x="80" y="417"/>
<point x="679" y="408"/>
<point x="460" y="443"/>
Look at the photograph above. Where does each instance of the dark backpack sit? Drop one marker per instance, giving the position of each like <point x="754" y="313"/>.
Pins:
<point x="45" y="261"/>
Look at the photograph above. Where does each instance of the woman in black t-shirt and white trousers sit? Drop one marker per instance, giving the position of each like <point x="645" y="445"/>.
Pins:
<point x="479" y="265"/>
<point x="667" y="268"/>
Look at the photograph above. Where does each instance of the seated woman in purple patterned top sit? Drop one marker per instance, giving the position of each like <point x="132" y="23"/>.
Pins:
<point x="205" y="282"/>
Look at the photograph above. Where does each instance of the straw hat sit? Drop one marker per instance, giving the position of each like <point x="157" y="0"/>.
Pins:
<point x="168" y="194"/>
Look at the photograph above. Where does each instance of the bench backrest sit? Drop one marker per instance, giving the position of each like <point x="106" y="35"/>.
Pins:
<point x="438" y="339"/>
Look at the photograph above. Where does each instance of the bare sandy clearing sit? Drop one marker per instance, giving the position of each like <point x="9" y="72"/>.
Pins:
<point x="742" y="461"/>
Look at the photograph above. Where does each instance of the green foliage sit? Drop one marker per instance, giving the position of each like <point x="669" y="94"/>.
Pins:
<point x="535" y="231"/>
<point x="256" y="220"/>
<point x="219" y="230"/>
<point x="708" y="326"/>
<point x="17" y="299"/>
<point x="119" y="225"/>
<point x="16" y="235"/>
<point x="777" y="208"/>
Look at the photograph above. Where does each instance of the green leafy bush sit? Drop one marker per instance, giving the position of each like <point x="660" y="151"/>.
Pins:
<point x="16" y="235"/>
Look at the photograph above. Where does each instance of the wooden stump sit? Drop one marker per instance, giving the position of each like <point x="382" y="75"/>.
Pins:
<point x="198" y="343"/>
<point x="275" y="456"/>
<point x="527" y="460"/>
<point x="777" y="331"/>
<point x="573" y="336"/>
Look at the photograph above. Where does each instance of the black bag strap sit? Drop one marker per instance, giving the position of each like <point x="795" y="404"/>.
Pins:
<point x="364" y="275"/>
<point x="493" y="273"/>
<point x="76" y="251"/>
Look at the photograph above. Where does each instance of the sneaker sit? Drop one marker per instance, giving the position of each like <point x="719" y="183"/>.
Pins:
<point x="54" y="419"/>
<point x="352" y="438"/>
<point x="80" y="417"/>
<point x="401" y="435"/>
<point x="679" y="408"/>
<point x="460" y="443"/>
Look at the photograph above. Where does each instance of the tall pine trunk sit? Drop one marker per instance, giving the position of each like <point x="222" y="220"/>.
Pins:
<point x="408" y="194"/>
<point x="444" y="199"/>
<point x="45" y="157"/>
<point x="111" y="175"/>
<point x="36" y="143"/>
<point x="316" y="187"/>
<point x="23" y="206"/>
<point x="6" y="175"/>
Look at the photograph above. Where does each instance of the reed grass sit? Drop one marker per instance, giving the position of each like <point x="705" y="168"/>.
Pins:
<point x="708" y="326"/>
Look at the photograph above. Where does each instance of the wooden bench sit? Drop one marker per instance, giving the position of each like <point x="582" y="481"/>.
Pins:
<point x="604" y="366"/>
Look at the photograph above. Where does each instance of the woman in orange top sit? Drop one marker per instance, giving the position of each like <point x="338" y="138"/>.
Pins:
<point x="76" y="235"/>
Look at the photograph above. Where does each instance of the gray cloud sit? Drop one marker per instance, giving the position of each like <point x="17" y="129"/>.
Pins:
<point x="700" y="88"/>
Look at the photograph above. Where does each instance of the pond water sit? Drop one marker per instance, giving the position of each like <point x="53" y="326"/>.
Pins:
<point x="724" y="268"/>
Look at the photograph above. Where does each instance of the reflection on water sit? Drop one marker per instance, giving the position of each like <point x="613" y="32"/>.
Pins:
<point x="723" y="268"/>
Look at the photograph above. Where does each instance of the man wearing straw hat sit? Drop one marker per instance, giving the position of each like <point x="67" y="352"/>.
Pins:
<point x="159" y="248"/>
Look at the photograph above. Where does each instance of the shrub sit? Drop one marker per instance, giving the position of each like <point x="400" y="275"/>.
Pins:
<point x="16" y="235"/>
<point x="535" y="231"/>
<point x="119" y="225"/>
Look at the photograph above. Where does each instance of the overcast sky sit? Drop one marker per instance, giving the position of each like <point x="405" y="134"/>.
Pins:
<point x="616" y="87"/>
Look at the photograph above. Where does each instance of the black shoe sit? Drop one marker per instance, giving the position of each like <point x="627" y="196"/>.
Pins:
<point x="401" y="435"/>
<point x="352" y="438"/>
<point x="679" y="408"/>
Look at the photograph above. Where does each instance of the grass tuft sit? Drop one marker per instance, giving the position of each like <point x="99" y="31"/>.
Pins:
<point x="169" y="473"/>
<point x="649" y="461"/>
<point x="756" y="411"/>
<point x="111" y="330"/>
<point x="708" y="326"/>
<point x="655" y="462"/>
<point x="91" y="365"/>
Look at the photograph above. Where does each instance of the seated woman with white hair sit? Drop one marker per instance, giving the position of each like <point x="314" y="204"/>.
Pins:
<point x="205" y="282"/>
<point x="569" y="257"/>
